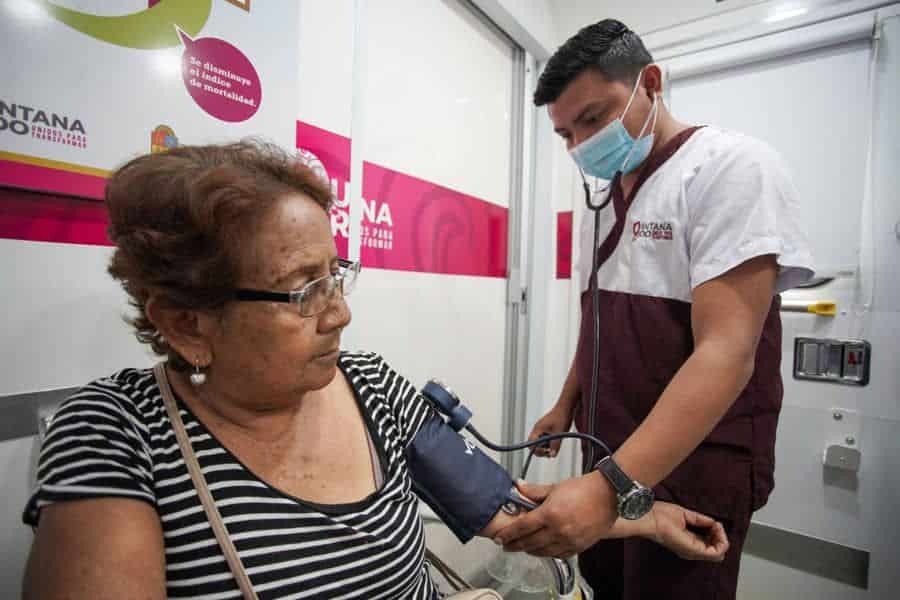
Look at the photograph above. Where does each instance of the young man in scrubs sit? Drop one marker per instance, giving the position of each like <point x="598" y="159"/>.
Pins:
<point x="700" y="237"/>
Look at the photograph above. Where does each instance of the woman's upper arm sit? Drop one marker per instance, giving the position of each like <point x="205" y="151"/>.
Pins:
<point x="96" y="549"/>
<point x="405" y="401"/>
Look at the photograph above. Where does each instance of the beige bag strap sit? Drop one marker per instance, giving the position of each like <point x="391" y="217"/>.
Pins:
<point x="209" y="505"/>
<point x="452" y="577"/>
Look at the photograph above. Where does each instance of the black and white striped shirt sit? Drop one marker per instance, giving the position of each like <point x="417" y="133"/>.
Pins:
<point x="113" y="438"/>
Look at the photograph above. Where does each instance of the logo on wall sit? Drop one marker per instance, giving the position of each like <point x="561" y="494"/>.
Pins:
<point x="41" y="124"/>
<point x="162" y="138"/>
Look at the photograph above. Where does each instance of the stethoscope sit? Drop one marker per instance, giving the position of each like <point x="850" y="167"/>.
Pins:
<point x="446" y="402"/>
<point x="596" y="201"/>
<point x="605" y="197"/>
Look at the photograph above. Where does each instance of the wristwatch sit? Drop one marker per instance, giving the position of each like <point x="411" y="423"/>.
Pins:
<point x="634" y="500"/>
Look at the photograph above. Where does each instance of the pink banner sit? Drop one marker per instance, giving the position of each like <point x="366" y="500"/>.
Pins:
<point x="414" y="225"/>
<point x="564" y="245"/>
<point x="322" y="149"/>
<point x="45" y="218"/>
<point x="49" y="179"/>
<point x="409" y="224"/>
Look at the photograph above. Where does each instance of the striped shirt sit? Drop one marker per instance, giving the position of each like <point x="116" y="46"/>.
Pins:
<point x="113" y="439"/>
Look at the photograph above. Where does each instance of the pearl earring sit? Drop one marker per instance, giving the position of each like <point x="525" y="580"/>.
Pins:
<point x="198" y="377"/>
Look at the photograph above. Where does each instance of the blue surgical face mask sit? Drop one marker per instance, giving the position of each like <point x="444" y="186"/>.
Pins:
<point x="612" y="149"/>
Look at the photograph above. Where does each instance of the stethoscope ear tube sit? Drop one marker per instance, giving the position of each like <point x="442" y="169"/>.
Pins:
<point x="595" y="306"/>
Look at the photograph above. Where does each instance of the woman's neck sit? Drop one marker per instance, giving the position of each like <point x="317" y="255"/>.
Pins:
<point x="260" y="421"/>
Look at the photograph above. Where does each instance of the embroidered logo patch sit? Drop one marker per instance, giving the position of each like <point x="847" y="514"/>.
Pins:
<point x="654" y="230"/>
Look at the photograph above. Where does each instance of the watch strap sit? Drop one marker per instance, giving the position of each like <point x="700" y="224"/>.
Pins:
<point x="621" y="482"/>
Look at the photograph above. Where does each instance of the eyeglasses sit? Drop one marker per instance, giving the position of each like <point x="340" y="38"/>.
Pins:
<point x="315" y="296"/>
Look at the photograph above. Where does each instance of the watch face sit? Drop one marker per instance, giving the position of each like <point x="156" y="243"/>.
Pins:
<point x="636" y="504"/>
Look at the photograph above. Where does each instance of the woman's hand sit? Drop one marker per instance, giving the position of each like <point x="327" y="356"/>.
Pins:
<point x="689" y="534"/>
<point x="557" y="420"/>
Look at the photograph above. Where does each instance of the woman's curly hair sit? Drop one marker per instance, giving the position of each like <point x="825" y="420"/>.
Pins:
<point x="179" y="218"/>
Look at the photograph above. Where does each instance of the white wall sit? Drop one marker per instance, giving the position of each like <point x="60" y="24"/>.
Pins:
<point x="640" y="15"/>
<point x="662" y="23"/>
<point x="325" y="82"/>
<point x="65" y="315"/>
<point x="531" y="23"/>
<point x="807" y="499"/>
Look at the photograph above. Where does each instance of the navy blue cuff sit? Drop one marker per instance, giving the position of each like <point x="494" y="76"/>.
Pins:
<point x="463" y="485"/>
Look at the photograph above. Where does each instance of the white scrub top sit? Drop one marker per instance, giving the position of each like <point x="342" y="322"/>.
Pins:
<point x="720" y="200"/>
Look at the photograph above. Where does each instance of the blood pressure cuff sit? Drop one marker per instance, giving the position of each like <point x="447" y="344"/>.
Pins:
<point x="463" y="485"/>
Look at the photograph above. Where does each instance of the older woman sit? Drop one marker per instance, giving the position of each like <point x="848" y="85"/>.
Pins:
<point x="227" y="256"/>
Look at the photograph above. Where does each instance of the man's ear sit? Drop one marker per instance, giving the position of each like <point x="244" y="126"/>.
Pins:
<point x="652" y="81"/>
<point x="189" y="332"/>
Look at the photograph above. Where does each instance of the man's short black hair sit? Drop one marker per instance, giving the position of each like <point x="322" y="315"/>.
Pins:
<point x="608" y="46"/>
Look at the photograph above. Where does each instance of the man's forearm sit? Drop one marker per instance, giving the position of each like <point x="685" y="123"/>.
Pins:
<point x="693" y="403"/>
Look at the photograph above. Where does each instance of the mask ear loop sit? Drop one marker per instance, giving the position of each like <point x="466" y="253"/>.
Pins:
<point x="634" y="90"/>
<point x="654" y="112"/>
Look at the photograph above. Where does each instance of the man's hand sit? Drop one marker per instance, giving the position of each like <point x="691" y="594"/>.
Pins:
<point x="573" y="515"/>
<point x="671" y="527"/>
<point x="557" y="420"/>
